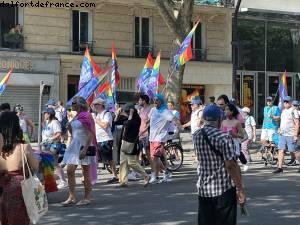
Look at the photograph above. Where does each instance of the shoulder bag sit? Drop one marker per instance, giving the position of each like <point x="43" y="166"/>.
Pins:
<point x="34" y="194"/>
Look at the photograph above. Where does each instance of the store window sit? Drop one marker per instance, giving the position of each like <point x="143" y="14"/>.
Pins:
<point x="187" y="93"/>
<point x="142" y="36"/>
<point x="81" y="31"/>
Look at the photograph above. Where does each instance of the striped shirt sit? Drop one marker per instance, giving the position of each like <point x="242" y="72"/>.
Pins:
<point x="213" y="178"/>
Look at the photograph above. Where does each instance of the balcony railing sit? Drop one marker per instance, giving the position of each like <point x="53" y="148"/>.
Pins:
<point x="80" y="46"/>
<point x="142" y="51"/>
<point x="12" y="42"/>
<point x="199" y="55"/>
<point x="223" y="3"/>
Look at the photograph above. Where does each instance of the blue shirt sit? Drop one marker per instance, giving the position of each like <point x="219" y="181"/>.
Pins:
<point x="270" y="123"/>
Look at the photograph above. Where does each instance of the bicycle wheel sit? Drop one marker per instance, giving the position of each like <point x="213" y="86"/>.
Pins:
<point x="174" y="154"/>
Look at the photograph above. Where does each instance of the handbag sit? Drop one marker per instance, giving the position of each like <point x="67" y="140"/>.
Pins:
<point x="91" y="150"/>
<point x="127" y="147"/>
<point x="34" y="194"/>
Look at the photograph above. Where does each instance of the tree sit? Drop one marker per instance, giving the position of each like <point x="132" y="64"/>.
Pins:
<point x="177" y="16"/>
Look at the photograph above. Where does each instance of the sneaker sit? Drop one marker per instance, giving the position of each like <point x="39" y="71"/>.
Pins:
<point x="113" y="180"/>
<point x="292" y="162"/>
<point x="245" y="168"/>
<point x="131" y="176"/>
<point x="62" y="184"/>
<point x="167" y="177"/>
<point x="154" y="180"/>
<point x="278" y="170"/>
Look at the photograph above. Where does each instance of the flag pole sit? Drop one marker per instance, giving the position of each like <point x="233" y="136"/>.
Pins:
<point x="169" y="77"/>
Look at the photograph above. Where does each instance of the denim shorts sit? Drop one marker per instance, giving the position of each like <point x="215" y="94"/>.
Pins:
<point x="287" y="141"/>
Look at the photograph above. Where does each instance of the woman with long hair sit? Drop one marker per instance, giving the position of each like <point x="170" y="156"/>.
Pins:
<point x="11" y="171"/>
<point x="82" y="129"/>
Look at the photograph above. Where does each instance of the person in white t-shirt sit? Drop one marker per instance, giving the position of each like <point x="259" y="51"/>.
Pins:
<point x="52" y="103"/>
<point x="51" y="142"/>
<point x="160" y="118"/>
<point x="103" y="120"/>
<point x="250" y="128"/>
<point x="196" y="118"/>
<point x="173" y="126"/>
<point x="288" y="130"/>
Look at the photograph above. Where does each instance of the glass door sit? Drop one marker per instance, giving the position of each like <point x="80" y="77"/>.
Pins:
<point x="248" y="86"/>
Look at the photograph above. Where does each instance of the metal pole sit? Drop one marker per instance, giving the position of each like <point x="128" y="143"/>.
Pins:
<point x="234" y="47"/>
<point x="266" y="52"/>
<point x="40" y="112"/>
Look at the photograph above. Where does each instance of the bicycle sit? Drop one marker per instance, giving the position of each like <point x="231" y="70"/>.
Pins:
<point x="174" y="153"/>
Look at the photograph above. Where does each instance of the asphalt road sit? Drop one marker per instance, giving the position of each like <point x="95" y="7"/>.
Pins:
<point x="271" y="200"/>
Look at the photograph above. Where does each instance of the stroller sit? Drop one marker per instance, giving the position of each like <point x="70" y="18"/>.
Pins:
<point x="270" y="151"/>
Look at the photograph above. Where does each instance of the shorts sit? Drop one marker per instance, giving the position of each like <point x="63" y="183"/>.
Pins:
<point x="267" y="134"/>
<point x="157" y="149"/>
<point x="144" y="144"/>
<point x="287" y="141"/>
<point x="105" y="150"/>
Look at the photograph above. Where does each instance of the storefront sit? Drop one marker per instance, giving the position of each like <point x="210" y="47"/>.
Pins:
<point x="24" y="84"/>
<point x="268" y="45"/>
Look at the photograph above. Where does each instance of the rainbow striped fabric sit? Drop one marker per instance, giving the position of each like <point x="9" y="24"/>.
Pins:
<point x="89" y="69"/>
<point x="4" y="81"/>
<point x="115" y="76"/>
<point x="47" y="162"/>
<point x="185" y="52"/>
<point x="283" y="92"/>
<point x="145" y="74"/>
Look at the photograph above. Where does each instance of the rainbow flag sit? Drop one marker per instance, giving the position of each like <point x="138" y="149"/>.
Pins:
<point x="145" y="75"/>
<point x="283" y="91"/>
<point x="89" y="69"/>
<point x="115" y="76"/>
<point x="87" y="92"/>
<point x="152" y="82"/>
<point x="4" y="81"/>
<point x="47" y="162"/>
<point x="185" y="53"/>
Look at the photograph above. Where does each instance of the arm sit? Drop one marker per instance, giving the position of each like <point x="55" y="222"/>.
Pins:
<point x="32" y="160"/>
<point x="296" y="130"/>
<point x="254" y="133"/>
<point x="30" y="124"/>
<point x="102" y="123"/>
<point x="234" y="171"/>
<point x="188" y="124"/>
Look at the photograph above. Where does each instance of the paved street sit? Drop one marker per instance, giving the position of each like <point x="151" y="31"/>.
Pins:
<point x="272" y="200"/>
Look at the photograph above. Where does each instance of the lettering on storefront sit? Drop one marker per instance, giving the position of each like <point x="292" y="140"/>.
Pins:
<point x="17" y="64"/>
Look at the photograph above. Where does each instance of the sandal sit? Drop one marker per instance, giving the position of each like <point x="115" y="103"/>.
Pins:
<point x="83" y="202"/>
<point x="68" y="203"/>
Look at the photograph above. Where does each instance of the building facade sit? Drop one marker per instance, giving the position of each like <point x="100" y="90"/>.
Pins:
<point x="268" y="45"/>
<point x="54" y="39"/>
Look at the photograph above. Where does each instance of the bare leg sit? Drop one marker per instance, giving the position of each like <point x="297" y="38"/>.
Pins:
<point x="280" y="158"/>
<point x="113" y="168"/>
<point x="71" y="178"/>
<point x="87" y="181"/>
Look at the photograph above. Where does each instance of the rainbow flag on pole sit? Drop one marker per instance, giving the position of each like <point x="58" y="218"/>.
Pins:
<point x="283" y="91"/>
<point x="145" y="74"/>
<point x="4" y="81"/>
<point x="89" y="69"/>
<point x="152" y="83"/>
<point x="115" y="76"/>
<point x="185" y="52"/>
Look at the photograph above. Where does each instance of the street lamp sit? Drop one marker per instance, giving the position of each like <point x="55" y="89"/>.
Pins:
<point x="42" y="85"/>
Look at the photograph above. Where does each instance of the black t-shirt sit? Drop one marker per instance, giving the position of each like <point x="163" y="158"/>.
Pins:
<point x="131" y="131"/>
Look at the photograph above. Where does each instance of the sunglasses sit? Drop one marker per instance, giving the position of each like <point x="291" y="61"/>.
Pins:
<point x="286" y="102"/>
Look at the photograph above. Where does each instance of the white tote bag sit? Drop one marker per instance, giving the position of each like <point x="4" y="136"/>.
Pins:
<point x="34" y="194"/>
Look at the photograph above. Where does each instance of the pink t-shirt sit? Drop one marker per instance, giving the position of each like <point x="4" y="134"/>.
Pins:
<point x="144" y="112"/>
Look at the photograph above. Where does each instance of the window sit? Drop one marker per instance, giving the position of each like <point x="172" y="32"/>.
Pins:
<point x="198" y="43"/>
<point x="142" y="36"/>
<point x="73" y="81"/>
<point x="81" y="32"/>
<point x="8" y="22"/>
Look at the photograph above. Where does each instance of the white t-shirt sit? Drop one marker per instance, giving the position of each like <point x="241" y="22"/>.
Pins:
<point x="23" y="123"/>
<point x="195" y="118"/>
<point x="159" y="125"/>
<point x="287" y="124"/>
<point x="50" y="129"/>
<point x="103" y="134"/>
<point x="249" y="123"/>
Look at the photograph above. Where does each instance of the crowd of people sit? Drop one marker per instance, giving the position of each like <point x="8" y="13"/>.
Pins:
<point x="82" y="135"/>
